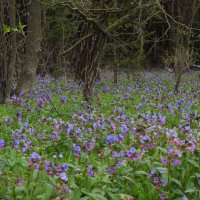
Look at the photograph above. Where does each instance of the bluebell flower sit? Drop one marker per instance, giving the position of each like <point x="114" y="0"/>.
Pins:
<point x="2" y="143"/>
<point x="63" y="176"/>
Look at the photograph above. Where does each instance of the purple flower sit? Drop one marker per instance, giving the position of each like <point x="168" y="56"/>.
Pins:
<point x="149" y="175"/>
<point x="156" y="180"/>
<point x="143" y="98"/>
<point x="160" y="106"/>
<point x="63" y="176"/>
<point x="63" y="99"/>
<point x="153" y="171"/>
<point x="111" y="139"/>
<point x="176" y="162"/>
<point x="145" y="138"/>
<point x="187" y="128"/>
<point x="195" y="114"/>
<point x="89" y="170"/>
<point x="60" y="155"/>
<point x="2" y="143"/>
<point x="138" y="107"/>
<point x="35" y="156"/>
<point x="58" y="169"/>
<point x="162" y="118"/>
<point x="70" y="127"/>
<point x="77" y="149"/>
<point x="34" y="160"/>
<point x="122" y="153"/>
<point x="65" y="166"/>
<point x="20" y="182"/>
<point x="115" y="154"/>
<point x="133" y="150"/>
<point x="66" y="189"/>
<point x="119" y="164"/>
<point x="184" y="198"/>
<point x="90" y="147"/>
<point x="163" y="196"/>
<point x="170" y="150"/>
<point x="111" y="170"/>
<point x="164" y="161"/>
<point x="163" y="182"/>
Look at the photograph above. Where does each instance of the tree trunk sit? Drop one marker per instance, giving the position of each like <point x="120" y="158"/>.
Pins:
<point x="12" y="47"/>
<point x="7" y="50"/>
<point x="33" y="48"/>
<point x="3" y="55"/>
<point x="115" y="65"/>
<point x="88" y="63"/>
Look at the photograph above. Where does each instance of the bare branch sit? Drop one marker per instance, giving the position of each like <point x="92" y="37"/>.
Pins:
<point x="76" y="44"/>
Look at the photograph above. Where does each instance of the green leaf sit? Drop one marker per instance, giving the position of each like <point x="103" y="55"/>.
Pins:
<point x="6" y="28"/>
<point x="162" y="149"/>
<point x="84" y="198"/>
<point x="141" y="173"/>
<point x="21" y="27"/>
<point x="98" y="197"/>
<point x="191" y="190"/>
<point x="194" y="163"/>
<point x="176" y="181"/>
<point x="128" y="178"/>
<point x="76" y="195"/>
<point x="177" y="191"/>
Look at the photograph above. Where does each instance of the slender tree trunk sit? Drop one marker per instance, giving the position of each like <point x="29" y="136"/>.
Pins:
<point x="12" y="47"/>
<point x="33" y="48"/>
<point x="7" y="50"/>
<point x="3" y="56"/>
<point x="115" y="65"/>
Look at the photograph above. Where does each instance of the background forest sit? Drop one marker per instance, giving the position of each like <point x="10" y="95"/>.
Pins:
<point x="82" y="37"/>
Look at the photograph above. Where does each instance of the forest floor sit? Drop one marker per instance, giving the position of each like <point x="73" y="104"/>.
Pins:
<point x="138" y="140"/>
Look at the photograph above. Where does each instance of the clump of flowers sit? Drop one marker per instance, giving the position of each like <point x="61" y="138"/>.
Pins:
<point x="35" y="160"/>
<point x="155" y="176"/>
<point x="90" y="171"/>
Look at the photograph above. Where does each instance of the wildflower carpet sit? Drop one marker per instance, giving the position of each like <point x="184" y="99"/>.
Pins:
<point x="137" y="140"/>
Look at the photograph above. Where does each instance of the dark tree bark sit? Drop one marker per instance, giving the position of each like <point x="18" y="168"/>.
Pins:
<point x="182" y="14"/>
<point x="12" y="47"/>
<point x="33" y="48"/>
<point x="3" y="56"/>
<point x="88" y="63"/>
<point x="115" y="77"/>
<point x="7" y="49"/>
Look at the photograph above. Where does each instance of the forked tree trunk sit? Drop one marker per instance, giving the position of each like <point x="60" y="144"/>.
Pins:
<point x="33" y="48"/>
<point x="88" y="63"/>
